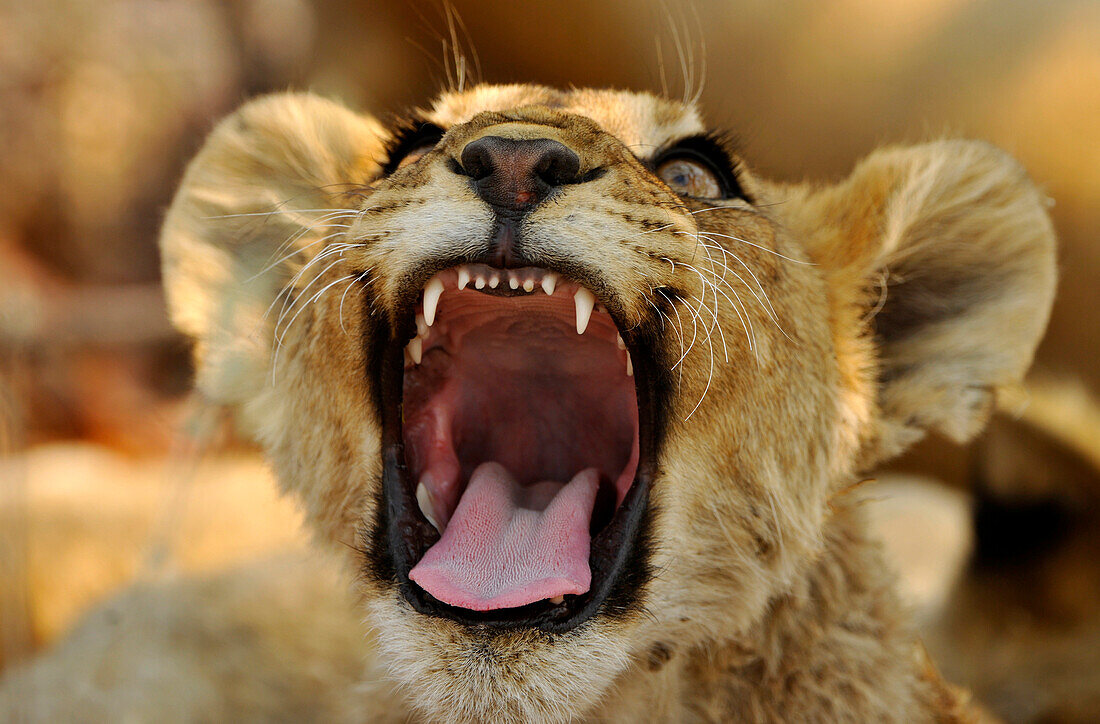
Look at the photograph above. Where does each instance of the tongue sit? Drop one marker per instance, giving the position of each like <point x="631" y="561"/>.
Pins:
<point x="509" y="545"/>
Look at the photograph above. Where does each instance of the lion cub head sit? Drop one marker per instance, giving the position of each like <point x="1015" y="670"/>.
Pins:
<point x="568" y="378"/>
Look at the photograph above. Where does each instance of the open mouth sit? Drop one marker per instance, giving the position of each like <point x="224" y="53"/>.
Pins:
<point x="516" y="470"/>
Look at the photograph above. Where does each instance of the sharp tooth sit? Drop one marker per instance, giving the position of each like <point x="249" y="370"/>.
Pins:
<point x="584" y="301"/>
<point x="549" y="283"/>
<point x="513" y="282"/>
<point x="557" y="600"/>
<point x="629" y="366"/>
<point x="416" y="349"/>
<point x="494" y="281"/>
<point x="619" y="341"/>
<point x="431" y="298"/>
<point x="463" y="277"/>
<point x="425" y="501"/>
<point x="528" y="285"/>
<point x="480" y="283"/>
<point x="421" y="326"/>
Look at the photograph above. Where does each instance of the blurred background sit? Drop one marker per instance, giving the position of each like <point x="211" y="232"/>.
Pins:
<point x="108" y="473"/>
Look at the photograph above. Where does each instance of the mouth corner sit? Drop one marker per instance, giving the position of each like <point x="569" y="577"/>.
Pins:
<point x="517" y="451"/>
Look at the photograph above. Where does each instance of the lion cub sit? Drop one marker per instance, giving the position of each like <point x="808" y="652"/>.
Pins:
<point x="577" y="401"/>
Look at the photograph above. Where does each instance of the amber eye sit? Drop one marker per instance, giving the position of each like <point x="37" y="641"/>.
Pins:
<point x="690" y="177"/>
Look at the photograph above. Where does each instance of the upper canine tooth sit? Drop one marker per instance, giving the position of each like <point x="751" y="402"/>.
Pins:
<point x="425" y="501"/>
<point x="584" y="301"/>
<point x="528" y="285"/>
<point x="549" y="283"/>
<point x="619" y="341"/>
<point x="431" y="298"/>
<point x="463" y="277"/>
<point x="629" y="366"/>
<point x="416" y="349"/>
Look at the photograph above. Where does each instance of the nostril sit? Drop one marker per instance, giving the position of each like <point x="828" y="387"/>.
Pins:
<point x="558" y="165"/>
<point x="477" y="160"/>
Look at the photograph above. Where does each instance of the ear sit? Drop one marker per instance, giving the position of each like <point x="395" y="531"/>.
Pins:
<point x="272" y="182"/>
<point x="943" y="255"/>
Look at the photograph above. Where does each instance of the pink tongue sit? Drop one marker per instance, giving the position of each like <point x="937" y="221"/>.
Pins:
<point x="508" y="545"/>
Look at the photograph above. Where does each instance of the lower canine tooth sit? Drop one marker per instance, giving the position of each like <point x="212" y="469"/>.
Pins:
<point x="416" y="349"/>
<point x="425" y="502"/>
<point x="584" y="301"/>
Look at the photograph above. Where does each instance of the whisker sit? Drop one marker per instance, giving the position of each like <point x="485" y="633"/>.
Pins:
<point x="761" y="248"/>
<point x="713" y="313"/>
<point x="710" y="372"/>
<point x="278" y="211"/>
<point x="351" y="284"/>
<point x="286" y="329"/>
<point x="287" y="309"/>
<point x="293" y="254"/>
<point x="765" y="302"/>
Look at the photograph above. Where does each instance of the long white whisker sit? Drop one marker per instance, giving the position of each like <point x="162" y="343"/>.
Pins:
<point x="301" y="293"/>
<point x="350" y="212"/>
<point x="738" y="308"/>
<point x="761" y="248"/>
<point x="293" y="254"/>
<point x="357" y="278"/>
<point x="713" y="313"/>
<point x="765" y="303"/>
<point x="710" y="372"/>
<point x="285" y="292"/>
<point x="286" y="329"/>
<point x="679" y="333"/>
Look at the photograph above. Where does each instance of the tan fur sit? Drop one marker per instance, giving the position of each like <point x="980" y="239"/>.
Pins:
<point x="832" y="327"/>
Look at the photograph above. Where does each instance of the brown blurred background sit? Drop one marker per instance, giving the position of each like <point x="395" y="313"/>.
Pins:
<point x="103" y="101"/>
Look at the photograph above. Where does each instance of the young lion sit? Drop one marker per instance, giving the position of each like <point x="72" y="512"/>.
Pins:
<point x="581" y="402"/>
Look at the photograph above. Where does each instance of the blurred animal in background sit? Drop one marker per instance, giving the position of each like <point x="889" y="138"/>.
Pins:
<point x="580" y="403"/>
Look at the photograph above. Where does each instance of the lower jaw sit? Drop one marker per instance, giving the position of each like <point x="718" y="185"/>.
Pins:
<point x="620" y="552"/>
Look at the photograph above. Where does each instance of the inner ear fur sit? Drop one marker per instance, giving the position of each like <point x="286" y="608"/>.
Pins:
<point x="941" y="257"/>
<point x="254" y="206"/>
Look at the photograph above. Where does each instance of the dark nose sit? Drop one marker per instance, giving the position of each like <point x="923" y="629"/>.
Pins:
<point x="513" y="175"/>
